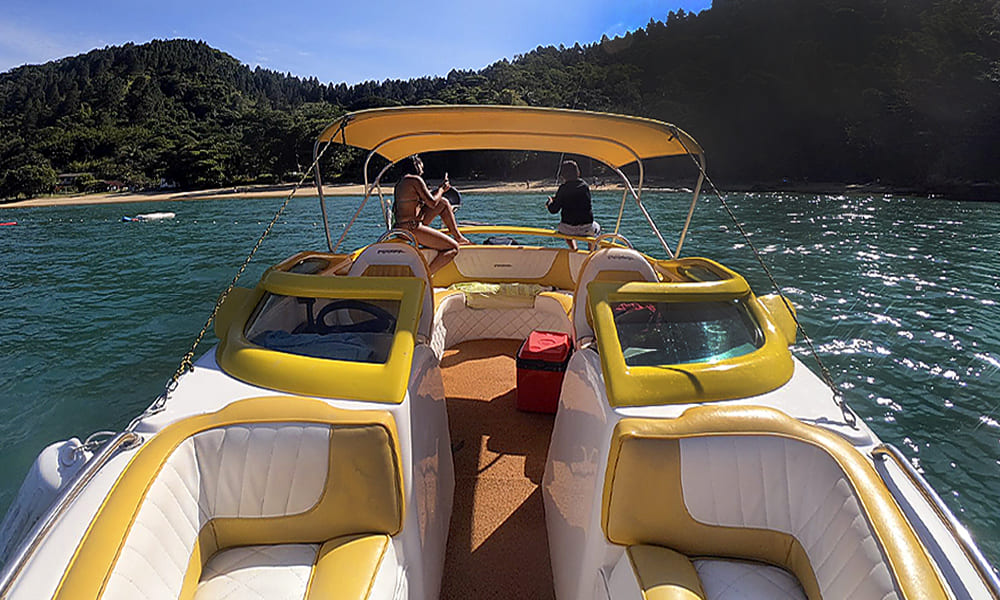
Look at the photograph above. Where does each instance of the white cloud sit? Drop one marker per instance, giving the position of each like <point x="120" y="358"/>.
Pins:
<point x="20" y="45"/>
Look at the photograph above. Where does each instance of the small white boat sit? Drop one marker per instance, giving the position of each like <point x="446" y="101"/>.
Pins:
<point x="356" y="432"/>
<point x="155" y="216"/>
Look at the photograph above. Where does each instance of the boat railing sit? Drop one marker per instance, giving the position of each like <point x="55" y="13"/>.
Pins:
<point x="38" y="533"/>
<point x="959" y="531"/>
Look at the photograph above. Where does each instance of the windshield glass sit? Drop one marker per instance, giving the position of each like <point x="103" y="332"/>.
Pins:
<point x="672" y="333"/>
<point x="332" y="328"/>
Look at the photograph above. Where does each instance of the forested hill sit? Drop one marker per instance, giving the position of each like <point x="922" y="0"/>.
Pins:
<point x="904" y="92"/>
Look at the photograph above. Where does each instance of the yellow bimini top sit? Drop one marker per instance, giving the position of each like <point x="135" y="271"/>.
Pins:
<point x="615" y="140"/>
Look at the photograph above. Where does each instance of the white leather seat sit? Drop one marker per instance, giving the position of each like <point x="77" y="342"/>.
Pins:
<point x="397" y="259"/>
<point x="266" y="494"/>
<point x="717" y="498"/>
<point x="606" y="264"/>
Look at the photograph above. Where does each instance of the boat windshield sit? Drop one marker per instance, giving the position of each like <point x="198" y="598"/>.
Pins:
<point x="332" y="328"/>
<point x="673" y="333"/>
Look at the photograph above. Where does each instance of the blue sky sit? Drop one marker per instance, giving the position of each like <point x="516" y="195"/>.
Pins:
<point x="332" y="40"/>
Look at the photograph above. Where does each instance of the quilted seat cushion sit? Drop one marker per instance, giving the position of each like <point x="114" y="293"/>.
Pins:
<point x="362" y="566"/>
<point x="657" y="573"/>
<point x="738" y="580"/>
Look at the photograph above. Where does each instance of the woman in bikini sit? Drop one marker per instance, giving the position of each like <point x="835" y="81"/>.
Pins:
<point x="415" y="207"/>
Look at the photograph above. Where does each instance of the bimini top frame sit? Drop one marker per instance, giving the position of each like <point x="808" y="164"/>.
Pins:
<point x="616" y="140"/>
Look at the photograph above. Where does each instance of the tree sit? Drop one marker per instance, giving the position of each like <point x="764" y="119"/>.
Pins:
<point x="28" y="181"/>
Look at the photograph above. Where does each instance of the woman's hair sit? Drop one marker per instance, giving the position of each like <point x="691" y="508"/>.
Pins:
<point x="411" y="165"/>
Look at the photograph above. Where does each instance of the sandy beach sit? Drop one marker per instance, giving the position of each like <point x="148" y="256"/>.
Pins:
<point x="278" y="191"/>
<point x="539" y="187"/>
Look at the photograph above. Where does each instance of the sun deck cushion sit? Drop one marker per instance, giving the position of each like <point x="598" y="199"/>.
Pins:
<point x="455" y="322"/>
<point x="265" y="471"/>
<point x="751" y="483"/>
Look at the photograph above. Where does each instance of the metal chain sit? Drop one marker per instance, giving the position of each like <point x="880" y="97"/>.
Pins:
<point x="849" y="417"/>
<point x="187" y="363"/>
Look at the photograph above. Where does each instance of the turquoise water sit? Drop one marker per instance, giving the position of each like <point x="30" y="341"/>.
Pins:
<point x="899" y="294"/>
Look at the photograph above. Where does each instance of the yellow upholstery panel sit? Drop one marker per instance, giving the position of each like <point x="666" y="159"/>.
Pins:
<point x="360" y="459"/>
<point x="346" y="567"/>
<point x="647" y="507"/>
<point x="643" y="498"/>
<point x="364" y="491"/>
<point x="664" y="574"/>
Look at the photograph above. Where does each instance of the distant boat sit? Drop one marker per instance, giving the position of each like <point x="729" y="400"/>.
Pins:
<point x="8" y="223"/>
<point x="157" y="216"/>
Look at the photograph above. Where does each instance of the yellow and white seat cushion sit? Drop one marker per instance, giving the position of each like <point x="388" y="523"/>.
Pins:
<point x="312" y="487"/>
<point x="752" y="484"/>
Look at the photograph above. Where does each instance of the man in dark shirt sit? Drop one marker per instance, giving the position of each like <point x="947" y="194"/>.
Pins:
<point x="573" y="199"/>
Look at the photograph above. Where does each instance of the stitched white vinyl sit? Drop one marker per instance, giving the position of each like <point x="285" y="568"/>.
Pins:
<point x="456" y="323"/>
<point x="767" y="482"/>
<point x="623" y="584"/>
<point x="500" y="262"/>
<point x="258" y="573"/>
<point x="736" y="580"/>
<point x="237" y="471"/>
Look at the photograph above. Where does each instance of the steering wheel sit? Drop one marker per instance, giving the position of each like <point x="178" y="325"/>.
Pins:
<point x="611" y="236"/>
<point x="407" y="237"/>
<point x="383" y="321"/>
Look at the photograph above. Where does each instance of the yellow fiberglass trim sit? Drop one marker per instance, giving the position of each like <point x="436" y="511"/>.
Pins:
<point x="757" y="372"/>
<point x="321" y="377"/>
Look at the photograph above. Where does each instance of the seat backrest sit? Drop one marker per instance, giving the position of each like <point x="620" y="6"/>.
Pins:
<point x="259" y="472"/>
<point x="606" y="264"/>
<point x="751" y="483"/>
<point x="399" y="259"/>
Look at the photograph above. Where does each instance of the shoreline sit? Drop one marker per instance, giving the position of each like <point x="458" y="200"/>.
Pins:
<point x="469" y="187"/>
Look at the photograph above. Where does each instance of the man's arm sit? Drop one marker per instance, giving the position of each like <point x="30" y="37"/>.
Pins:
<point x="555" y="202"/>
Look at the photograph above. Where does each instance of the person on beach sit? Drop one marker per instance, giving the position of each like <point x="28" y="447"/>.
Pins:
<point x="415" y="207"/>
<point x="573" y="199"/>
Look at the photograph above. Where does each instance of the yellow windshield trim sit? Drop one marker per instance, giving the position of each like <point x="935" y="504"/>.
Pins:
<point x="757" y="372"/>
<point x="321" y="377"/>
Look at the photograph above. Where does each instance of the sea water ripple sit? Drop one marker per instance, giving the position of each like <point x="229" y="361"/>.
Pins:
<point x="900" y="296"/>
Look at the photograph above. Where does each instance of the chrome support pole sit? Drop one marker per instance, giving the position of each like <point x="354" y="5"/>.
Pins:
<point x="694" y="201"/>
<point x="319" y="192"/>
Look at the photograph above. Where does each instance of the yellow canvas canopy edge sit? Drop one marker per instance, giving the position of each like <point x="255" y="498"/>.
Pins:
<point x="615" y="140"/>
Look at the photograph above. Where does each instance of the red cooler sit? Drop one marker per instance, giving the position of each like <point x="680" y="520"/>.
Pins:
<point x="541" y="363"/>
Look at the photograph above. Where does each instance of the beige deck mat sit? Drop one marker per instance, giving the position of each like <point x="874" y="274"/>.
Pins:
<point x="497" y="545"/>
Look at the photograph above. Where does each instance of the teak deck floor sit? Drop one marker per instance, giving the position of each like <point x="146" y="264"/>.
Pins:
<point x="497" y="545"/>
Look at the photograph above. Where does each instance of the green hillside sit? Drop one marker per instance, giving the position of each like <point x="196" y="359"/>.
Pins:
<point x="779" y="92"/>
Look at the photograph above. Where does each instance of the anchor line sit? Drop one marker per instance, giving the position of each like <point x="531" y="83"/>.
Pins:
<point x="849" y="416"/>
<point x="187" y="361"/>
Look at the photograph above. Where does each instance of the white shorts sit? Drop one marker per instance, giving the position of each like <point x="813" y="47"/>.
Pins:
<point x="585" y="230"/>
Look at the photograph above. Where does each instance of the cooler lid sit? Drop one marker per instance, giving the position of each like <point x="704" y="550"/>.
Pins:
<point x="550" y="346"/>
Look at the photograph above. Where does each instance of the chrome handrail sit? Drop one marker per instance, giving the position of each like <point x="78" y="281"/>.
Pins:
<point x="960" y="532"/>
<point x="14" y="567"/>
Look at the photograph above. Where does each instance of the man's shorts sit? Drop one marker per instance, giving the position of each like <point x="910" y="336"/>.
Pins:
<point x="585" y="230"/>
